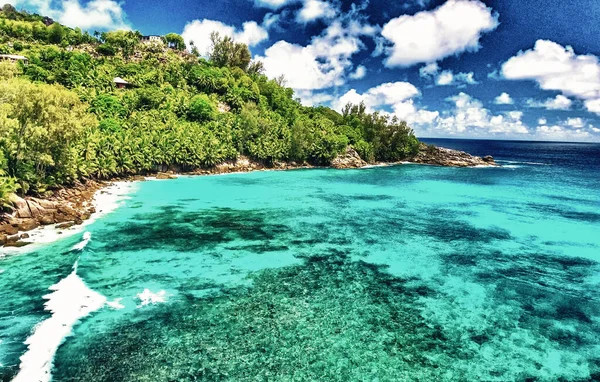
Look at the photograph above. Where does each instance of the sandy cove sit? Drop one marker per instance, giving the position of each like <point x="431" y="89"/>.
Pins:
<point x="41" y="220"/>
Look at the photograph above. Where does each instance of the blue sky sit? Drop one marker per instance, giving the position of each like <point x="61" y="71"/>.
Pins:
<point x="457" y="68"/>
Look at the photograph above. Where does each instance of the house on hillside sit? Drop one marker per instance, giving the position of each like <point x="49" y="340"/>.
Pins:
<point x="151" y="39"/>
<point x="158" y="40"/>
<point x="13" y="58"/>
<point x="121" y="83"/>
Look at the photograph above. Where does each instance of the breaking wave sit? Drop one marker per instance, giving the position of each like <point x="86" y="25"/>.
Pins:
<point x="70" y="301"/>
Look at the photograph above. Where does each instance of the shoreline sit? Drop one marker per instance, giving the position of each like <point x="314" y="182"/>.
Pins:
<point x="99" y="198"/>
<point x="105" y="200"/>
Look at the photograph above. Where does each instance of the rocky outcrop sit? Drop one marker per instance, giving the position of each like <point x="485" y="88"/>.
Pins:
<point x="241" y="164"/>
<point x="349" y="159"/>
<point x="68" y="205"/>
<point x="440" y="156"/>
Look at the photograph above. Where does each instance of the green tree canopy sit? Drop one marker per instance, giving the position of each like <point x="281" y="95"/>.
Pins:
<point x="56" y="33"/>
<point x="61" y="118"/>
<point x="125" y="41"/>
<point x="37" y="124"/>
<point x="175" y="41"/>
<point x="226" y="52"/>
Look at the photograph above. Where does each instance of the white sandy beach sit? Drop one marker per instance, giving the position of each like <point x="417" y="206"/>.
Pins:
<point x="105" y="201"/>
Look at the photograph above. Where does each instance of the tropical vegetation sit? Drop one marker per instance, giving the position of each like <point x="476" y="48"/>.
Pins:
<point x="63" y="119"/>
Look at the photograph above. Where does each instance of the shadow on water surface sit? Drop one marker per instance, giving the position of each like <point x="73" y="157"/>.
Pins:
<point x="555" y="210"/>
<point x="328" y="319"/>
<point x="173" y="228"/>
<point x="331" y="318"/>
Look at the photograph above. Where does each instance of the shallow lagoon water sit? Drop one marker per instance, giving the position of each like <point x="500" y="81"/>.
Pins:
<point x="410" y="272"/>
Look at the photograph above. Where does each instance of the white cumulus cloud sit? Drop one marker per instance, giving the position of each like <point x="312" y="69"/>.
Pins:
<point x="571" y="129"/>
<point x="429" y="70"/>
<point x="560" y="133"/>
<point x="360" y="72"/>
<point x="593" y="105"/>
<point x="95" y="14"/>
<point x="396" y="95"/>
<point x="199" y="32"/>
<point x="390" y="93"/>
<point x="576" y="123"/>
<point x="323" y="63"/>
<point x="504" y="99"/>
<point x="555" y="67"/>
<point x="469" y="117"/>
<point x="315" y="9"/>
<point x="429" y="36"/>
<point x="446" y="77"/>
<point x="308" y="98"/>
<point x="560" y="102"/>
<point x="466" y="117"/>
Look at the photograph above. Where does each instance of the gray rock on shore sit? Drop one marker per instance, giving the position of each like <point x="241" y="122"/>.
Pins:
<point x="73" y="205"/>
<point x="349" y="159"/>
<point x="440" y="156"/>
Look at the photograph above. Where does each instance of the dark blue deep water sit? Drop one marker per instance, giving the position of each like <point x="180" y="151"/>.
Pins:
<point x="403" y="273"/>
<point x="584" y="157"/>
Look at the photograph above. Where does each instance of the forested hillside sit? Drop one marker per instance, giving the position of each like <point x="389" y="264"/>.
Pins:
<point x="62" y="118"/>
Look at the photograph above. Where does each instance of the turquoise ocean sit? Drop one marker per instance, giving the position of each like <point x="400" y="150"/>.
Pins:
<point x="402" y="273"/>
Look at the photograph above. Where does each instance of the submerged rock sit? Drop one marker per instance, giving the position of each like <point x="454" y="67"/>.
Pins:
<point x="17" y="244"/>
<point x="65" y="225"/>
<point x="440" y="156"/>
<point x="349" y="159"/>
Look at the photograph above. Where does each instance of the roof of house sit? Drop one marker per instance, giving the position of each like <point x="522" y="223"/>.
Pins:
<point x="119" y="80"/>
<point x="13" y="56"/>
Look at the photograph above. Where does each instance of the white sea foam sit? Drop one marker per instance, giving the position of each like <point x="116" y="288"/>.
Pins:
<point x="520" y="162"/>
<point x="109" y="199"/>
<point x="105" y="201"/>
<point x="116" y="304"/>
<point x="147" y="297"/>
<point x="70" y="301"/>
<point x="83" y="243"/>
<point x="153" y="178"/>
<point x="382" y="165"/>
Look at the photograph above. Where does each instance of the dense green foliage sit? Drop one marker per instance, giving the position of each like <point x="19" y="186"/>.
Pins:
<point x="226" y="52"/>
<point x="62" y="118"/>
